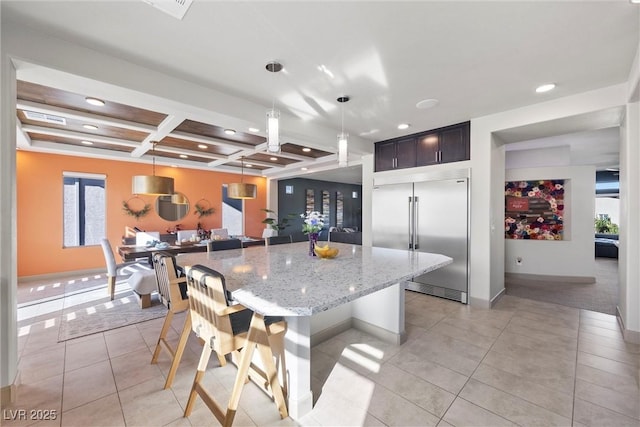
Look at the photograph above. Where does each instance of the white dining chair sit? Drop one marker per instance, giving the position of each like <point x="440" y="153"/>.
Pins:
<point x="142" y="280"/>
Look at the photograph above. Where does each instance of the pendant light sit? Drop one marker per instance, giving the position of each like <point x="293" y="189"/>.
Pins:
<point x="179" y="199"/>
<point x="273" y="116"/>
<point x="240" y="190"/>
<point x="342" y="137"/>
<point x="152" y="184"/>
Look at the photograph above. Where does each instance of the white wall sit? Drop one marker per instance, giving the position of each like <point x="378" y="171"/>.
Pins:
<point x="8" y="279"/>
<point x="608" y="206"/>
<point x="487" y="154"/>
<point x="572" y="256"/>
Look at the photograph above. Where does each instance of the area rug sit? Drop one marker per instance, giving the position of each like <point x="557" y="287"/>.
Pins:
<point x="102" y="314"/>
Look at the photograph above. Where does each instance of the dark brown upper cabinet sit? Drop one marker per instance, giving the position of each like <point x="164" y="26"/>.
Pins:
<point x="396" y="154"/>
<point x="444" y="145"/>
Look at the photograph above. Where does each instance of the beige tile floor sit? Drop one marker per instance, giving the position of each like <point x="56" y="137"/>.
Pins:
<point x="523" y="363"/>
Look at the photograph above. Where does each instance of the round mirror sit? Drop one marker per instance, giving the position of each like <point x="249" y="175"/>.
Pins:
<point x="173" y="207"/>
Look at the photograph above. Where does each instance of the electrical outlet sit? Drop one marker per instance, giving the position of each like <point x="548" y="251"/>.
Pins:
<point x="518" y="260"/>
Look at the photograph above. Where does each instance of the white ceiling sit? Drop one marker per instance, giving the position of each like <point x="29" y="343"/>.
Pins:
<point x="476" y="57"/>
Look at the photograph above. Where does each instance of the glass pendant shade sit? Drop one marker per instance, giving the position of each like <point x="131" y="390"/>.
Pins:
<point x="343" y="137"/>
<point x="152" y="185"/>
<point x="273" y="139"/>
<point x="241" y="190"/>
<point x="342" y="149"/>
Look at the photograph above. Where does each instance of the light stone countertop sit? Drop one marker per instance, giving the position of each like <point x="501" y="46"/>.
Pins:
<point x="283" y="280"/>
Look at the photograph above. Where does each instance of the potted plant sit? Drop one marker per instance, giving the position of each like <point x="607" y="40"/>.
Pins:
<point x="274" y="224"/>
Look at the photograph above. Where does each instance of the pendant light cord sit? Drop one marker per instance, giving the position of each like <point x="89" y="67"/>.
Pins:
<point x="153" y="157"/>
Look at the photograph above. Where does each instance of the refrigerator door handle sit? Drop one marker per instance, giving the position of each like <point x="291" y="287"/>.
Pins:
<point x="410" y="222"/>
<point x="416" y="215"/>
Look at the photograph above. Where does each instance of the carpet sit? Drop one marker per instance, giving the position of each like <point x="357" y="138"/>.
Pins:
<point x="601" y="296"/>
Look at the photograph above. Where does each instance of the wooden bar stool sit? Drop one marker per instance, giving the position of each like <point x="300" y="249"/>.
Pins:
<point x="226" y="329"/>
<point x="173" y="294"/>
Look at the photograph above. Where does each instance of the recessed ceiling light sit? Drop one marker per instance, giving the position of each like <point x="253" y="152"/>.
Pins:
<point x="306" y="149"/>
<point x="273" y="159"/>
<point x="403" y="126"/>
<point x="203" y="146"/>
<point x="184" y="156"/>
<point x="254" y="130"/>
<point x="94" y="101"/>
<point x="230" y="131"/>
<point x="87" y="142"/>
<point x="545" y="87"/>
<point x="304" y="169"/>
<point x="90" y="127"/>
<point x="249" y="165"/>
<point x="427" y="103"/>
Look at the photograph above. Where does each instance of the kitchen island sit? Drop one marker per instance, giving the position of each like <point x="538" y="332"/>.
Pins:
<point x="362" y="288"/>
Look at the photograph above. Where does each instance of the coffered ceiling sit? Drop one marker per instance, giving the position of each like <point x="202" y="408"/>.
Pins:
<point x="65" y="122"/>
<point x="476" y="58"/>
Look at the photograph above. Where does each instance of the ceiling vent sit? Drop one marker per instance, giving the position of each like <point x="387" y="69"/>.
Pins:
<point x="175" y="8"/>
<point x="41" y="117"/>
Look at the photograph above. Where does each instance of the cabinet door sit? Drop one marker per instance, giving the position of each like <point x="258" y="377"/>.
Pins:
<point x="385" y="156"/>
<point x="454" y="144"/>
<point x="406" y="153"/>
<point x="427" y="149"/>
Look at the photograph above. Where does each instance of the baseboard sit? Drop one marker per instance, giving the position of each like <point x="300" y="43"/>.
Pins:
<point x="378" y="332"/>
<point x="497" y="298"/>
<point x="50" y="276"/>
<point x="331" y="331"/>
<point x="550" y="278"/>
<point x="9" y="393"/>
<point x="628" y="335"/>
<point x="479" y="303"/>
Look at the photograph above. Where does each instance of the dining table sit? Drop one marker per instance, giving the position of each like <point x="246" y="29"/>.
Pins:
<point x="362" y="288"/>
<point x="133" y="252"/>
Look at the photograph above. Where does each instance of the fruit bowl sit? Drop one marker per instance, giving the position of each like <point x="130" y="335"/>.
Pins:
<point x="326" y="251"/>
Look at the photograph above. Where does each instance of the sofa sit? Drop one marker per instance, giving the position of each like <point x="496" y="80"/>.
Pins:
<point x="606" y="245"/>
<point x="345" y="235"/>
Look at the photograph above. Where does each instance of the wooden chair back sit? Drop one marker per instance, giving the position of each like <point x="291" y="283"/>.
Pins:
<point x="211" y="312"/>
<point x="169" y="283"/>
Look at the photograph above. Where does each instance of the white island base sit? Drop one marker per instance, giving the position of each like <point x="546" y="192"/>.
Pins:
<point x="380" y="314"/>
<point x="361" y="288"/>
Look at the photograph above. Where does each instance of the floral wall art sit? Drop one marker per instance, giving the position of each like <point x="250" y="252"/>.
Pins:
<point x="534" y="209"/>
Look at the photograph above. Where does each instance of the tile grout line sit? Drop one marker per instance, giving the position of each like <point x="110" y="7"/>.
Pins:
<point x="476" y="368"/>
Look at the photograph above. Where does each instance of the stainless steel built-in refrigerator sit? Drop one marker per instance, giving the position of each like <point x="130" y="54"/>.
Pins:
<point x="427" y="216"/>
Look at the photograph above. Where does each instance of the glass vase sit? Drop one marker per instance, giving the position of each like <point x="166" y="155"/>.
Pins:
<point x="313" y="240"/>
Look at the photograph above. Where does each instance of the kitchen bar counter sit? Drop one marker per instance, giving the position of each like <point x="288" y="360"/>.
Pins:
<point x="283" y="280"/>
<point x="362" y="288"/>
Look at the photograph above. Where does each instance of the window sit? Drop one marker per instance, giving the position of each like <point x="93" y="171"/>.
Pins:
<point x="84" y="204"/>
<point x="232" y="217"/>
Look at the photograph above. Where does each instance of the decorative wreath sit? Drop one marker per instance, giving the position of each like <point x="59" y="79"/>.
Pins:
<point x="137" y="214"/>
<point x="203" y="209"/>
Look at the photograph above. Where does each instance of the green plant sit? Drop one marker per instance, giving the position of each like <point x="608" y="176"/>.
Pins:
<point x="604" y="225"/>
<point x="274" y="223"/>
<point x="137" y="214"/>
<point x="202" y="211"/>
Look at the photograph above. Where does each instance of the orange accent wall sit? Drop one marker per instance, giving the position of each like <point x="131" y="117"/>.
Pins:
<point x="39" y="207"/>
